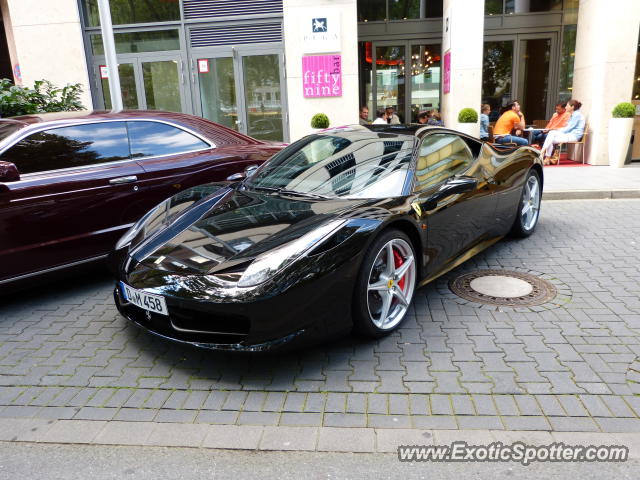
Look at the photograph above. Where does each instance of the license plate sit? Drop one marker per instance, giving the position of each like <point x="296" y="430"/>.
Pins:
<point x="144" y="300"/>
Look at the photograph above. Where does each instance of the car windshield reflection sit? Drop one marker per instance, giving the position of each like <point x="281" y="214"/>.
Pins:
<point x="330" y="166"/>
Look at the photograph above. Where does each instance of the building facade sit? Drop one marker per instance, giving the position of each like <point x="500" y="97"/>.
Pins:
<point x="265" y="67"/>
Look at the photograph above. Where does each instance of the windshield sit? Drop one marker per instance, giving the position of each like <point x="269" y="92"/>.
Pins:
<point x="357" y="166"/>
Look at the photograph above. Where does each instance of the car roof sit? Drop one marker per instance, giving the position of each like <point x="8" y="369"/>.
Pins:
<point x="217" y="133"/>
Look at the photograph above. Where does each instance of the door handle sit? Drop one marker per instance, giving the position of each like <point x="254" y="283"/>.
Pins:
<point x="121" y="180"/>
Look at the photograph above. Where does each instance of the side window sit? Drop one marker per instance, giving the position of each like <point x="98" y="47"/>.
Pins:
<point x="441" y="156"/>
<point x="68" y="147"/>
<point x="150" y="139"/>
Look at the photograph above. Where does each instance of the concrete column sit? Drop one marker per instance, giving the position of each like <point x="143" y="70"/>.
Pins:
<point x="45" y="40"/>
<point x="341" y="110"/>
<point x="464" y="41"/>
<point x="604" y="65"/>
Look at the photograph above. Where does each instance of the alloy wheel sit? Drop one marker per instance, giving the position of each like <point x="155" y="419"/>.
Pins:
<point x="530" y="203"/>
<point x="391" y="284"/>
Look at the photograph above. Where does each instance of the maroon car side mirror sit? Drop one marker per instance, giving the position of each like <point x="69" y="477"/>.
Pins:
<point x="9" y="172"/>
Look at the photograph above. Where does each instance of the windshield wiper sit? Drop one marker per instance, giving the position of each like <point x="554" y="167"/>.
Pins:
<point x="262" y="189"/>
<point x="301" y="194"/>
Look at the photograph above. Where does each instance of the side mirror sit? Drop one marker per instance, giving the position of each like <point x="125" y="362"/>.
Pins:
<point x="9" y="172"/>
<point x="454" y="186"/>
<point x="248" y="171"/>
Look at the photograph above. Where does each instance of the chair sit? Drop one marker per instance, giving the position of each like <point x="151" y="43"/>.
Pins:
<point x="579" y="142"/>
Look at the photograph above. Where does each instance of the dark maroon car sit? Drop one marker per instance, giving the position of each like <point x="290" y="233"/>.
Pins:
<point x="72" y="183"/>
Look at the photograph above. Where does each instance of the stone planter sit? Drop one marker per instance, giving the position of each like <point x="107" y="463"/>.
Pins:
<point x="619" y="138"/>
<point x="472" y="129"/>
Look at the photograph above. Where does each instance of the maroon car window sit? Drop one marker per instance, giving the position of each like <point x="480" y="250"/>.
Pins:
<point x="66" y="147"/>
<point x="151" y="139"/>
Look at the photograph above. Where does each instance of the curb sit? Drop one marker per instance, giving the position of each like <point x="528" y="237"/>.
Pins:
<point x="590" y="194"/>
<point x="273" y="438"/>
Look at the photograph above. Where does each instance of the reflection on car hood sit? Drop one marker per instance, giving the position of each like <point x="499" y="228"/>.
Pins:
<point x="242" y="225"/>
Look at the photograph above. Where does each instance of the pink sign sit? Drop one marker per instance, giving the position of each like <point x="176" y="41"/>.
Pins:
<point x="322" y="76"/>
<point x="446" y="88"/>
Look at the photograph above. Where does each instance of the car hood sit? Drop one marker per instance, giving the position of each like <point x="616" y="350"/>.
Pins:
<point x="237" y="228"/>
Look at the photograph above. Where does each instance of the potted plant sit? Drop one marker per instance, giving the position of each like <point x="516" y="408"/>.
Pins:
<point x="468" y="122"/>
<point x="319" y="121"/>
<point x="620" y="126"/>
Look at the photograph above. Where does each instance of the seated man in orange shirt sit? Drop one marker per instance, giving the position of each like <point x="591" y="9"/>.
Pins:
<point x="510" y="120"/>
<point x="558" y="120"/>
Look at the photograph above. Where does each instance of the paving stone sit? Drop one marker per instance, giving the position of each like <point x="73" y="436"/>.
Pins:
<point x="573" y="424"/>
<point x="177" y="435"/>
<point x="619" y="424"/>
<point x="346" y="439"/>
<point x="550" y="405"/>
<point x="479" y="423"/>
<point x="434" y="422"/>
<point x="289" y="438"/>
<point x="217" y="417"/>
<point x="525" y="423"/>
<point x="95" y="413"/>
<point x="441" y="405"/>
<point x="175" y="416"/>
<point x="377" y="404"/>
<point x="258" y="418"/>
<point x="72" y="431"/>
<point x="345" y="420"/>
<point x="301" y="419"/>
<point x="244" y="437"/>
<point x="389" y="421"/>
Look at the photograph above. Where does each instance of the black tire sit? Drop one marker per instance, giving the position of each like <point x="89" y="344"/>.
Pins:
<point x="520" y="228"/>
<point x="363" y="324"/>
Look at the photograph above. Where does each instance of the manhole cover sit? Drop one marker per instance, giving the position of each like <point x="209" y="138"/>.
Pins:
<point x="503" y="287"/>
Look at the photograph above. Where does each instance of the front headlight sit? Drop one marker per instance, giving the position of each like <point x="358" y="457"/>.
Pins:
<point x="271" y="262"/>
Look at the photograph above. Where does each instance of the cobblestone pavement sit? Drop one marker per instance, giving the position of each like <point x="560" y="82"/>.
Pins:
<point x="572" y="365"/>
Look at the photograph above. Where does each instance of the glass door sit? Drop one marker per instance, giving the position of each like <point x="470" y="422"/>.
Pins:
<point x="262" y="95"/>
<point x="425" y="79"/>
<point x="242" y="89"/>
<point x="534" y="77"/>
<point x="217" y="91"/>
<point x="519" y="67"/>
<point x="497" y="74"/>
<point x="405" y="76"/>
<point x="147" y="83"/>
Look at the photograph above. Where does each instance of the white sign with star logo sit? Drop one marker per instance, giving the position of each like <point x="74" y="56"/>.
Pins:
<point x="320" y="30"/>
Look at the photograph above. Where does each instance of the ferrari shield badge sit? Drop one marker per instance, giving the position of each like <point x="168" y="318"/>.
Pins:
<point x="416" y="208"/>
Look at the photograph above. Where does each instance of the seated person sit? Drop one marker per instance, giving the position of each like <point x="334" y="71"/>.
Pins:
<point x="571" y="133"/>
<point x="381" y="117"/>
<point x="435" y="119"/>
<point x="392" y="118"/>
<point x="364" y="115"/>
<point x="558" y="120"/>
<point x="423" y="117"/>
<point x="484" y="122"/>
<point x="511" y="122"/>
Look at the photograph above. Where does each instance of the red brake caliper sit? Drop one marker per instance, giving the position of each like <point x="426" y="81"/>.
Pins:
<point x="397" y="261"/>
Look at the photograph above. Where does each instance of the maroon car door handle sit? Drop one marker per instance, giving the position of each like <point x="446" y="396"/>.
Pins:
<point x="120" y="180"/>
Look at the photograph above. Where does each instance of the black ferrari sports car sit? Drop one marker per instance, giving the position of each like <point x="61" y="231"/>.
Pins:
<point x="332" y="234"/>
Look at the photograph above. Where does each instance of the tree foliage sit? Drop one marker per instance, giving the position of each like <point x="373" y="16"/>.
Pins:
<point x="43" y="97"/>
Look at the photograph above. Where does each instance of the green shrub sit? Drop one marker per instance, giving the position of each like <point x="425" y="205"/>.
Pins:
<point x="624" y="110"/>
<point x="468" y="115"/>
<point x="319" y="120"/>
<point x="43" y="97"/>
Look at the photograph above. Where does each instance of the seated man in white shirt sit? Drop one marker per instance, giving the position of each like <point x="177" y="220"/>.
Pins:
<point x="381" y="117"/>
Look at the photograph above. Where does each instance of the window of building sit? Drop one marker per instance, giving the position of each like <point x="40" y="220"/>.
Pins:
<point x="124" y="12"/>
<point x="441" y="156"/>
<point x="68" y="147"/>
<point x="381" y="10"/>
<point x="568" y="49"/>
<point x="136" y="42"/>
<point x="152" y="139"/>
<point x="509" y="7"/>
